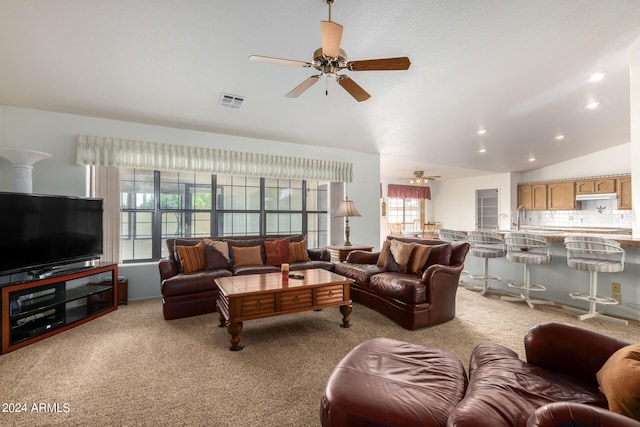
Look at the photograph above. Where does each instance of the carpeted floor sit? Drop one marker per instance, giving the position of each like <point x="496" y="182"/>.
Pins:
<point x="131" y="367"/>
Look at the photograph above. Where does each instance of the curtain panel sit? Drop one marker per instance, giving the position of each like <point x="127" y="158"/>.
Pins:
<point x="105" y="185"/>
<point x="395" y="191"/>
<point x="125" y="153"/>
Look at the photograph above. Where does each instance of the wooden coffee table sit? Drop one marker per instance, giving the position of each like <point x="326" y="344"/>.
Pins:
<point x="255" y="296"/>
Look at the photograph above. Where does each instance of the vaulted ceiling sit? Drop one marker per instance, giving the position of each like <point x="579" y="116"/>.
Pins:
<point x="519" y="69"/>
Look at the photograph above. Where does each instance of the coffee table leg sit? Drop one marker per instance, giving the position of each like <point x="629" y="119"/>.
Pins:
<point x="234" y="329"/>
<point x="223" y="321"/>
<point x="346" y="311"/>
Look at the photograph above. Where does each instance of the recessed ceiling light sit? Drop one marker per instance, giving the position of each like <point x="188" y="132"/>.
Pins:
<point x="482" y="150"/>
<point x="482" y="131"/>
<point x="592" y="105"/>
<point x="532" y="159"/>
<point x="559" y="137"/>
<point x="596" y="77"/>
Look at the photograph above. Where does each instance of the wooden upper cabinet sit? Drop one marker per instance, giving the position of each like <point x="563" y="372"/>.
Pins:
<point x="532" y="196"/>
<point x="596" y="186"/>
<point x="539" y="197"/>
<point x="524" y="196"/>
<point x="623" y="185"/>
<point x="561" y="195"/>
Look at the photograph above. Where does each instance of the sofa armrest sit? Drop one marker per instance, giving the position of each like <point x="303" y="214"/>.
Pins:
<point x="577" y="414"/>
<point x="570" y="350"/>
<point x="362" y="257"/>
<point x="319" y="254"/>
<point x="168" y="268"/>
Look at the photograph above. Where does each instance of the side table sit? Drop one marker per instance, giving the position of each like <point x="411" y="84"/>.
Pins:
<point x="340" y="252"/>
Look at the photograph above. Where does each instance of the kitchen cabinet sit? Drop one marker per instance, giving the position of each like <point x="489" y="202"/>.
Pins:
<point x="561" y="195"/>
<point x="596" y="186"/>
<point x="532" y="196"/>
<point x="524" y="196"/>
<point x="623" y="186"/>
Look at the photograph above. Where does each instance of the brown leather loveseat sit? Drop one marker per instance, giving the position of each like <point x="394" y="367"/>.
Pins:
<point x="193" y="293"/>
<point x="423" y="295"/>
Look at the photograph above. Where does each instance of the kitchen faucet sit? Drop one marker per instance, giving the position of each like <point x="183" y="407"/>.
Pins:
<point x="524" y="212"/>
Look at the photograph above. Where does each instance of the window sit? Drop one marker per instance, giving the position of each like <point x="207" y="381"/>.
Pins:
<point x="158" y="205"/>
<point x="403" y="210"/>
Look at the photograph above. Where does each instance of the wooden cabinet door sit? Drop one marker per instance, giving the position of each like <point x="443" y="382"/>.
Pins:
<point x="585" y="186"/>
<point x="539" y="197"/>
<point x="525" y="196"/>
<point x="605" y="185"/>
<point x="561" y="195"/>
<point x="624" y="192"/>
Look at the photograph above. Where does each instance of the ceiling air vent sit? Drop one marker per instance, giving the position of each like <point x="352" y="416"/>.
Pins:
<point x="231" y="101"/>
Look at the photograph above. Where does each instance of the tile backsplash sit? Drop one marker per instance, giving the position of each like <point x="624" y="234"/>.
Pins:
<point x="594" y="213"/>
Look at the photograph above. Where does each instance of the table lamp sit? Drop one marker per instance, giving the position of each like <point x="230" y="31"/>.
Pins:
<point x="347" y="209"/>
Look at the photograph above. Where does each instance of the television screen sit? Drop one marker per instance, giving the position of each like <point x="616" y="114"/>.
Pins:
<point x="41" y="230"/>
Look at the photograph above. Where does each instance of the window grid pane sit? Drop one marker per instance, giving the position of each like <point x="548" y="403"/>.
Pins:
<point x="186" y="208"/>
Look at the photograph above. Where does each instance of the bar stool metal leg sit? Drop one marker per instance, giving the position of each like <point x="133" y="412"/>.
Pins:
<point x="526" y="287"/>
<point x="593" y="299"/>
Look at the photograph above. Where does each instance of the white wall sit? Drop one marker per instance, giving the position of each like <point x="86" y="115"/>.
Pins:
<point x="56" y="134"/>
<point x="454" y="201"/>
<point x="612" y="161"/>
<point x="634" y="89"/>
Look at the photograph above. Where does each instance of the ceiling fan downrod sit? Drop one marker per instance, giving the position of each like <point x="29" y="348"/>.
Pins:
<point x="329" y="2"/>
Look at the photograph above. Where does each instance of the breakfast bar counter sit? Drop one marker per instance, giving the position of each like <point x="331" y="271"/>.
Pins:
<point x="560" y="280"/>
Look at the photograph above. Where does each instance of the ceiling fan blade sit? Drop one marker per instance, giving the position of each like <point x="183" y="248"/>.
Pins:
<point x="353" y="88"/>
<point x="331" y="38"/>
<point x="281" y="61"/>
<point x="384" y="64"/>
<point x="298" y="90"/>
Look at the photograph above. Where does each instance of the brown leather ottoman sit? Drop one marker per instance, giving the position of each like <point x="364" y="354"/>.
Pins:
<point x="385" y="382"/>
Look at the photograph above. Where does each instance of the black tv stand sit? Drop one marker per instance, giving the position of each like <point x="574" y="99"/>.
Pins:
<point x="44" y="306"/>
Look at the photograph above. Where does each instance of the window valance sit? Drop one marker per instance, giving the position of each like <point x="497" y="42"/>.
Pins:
<point x="395" y="191"/>
<point x="125" y="153"/>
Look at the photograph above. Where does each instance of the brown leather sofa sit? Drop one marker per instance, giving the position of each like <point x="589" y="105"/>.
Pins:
<point x="410" y="300"/>
<point x="561" y="365"/>
<point x="384" y="382"/>
<point x="192" y="294"/>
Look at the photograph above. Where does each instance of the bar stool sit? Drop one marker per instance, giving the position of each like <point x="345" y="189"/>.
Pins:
<point x="486" y="245"/>
<point x="449" y="235"/>
<point x="594" y="254"/>
<point x="528" y="249"/>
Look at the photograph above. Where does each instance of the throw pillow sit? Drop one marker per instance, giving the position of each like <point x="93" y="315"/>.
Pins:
<point x="401" y="253"/>
<point x="619" y="381"/>
<point x="243" y="243"/>
<point x="390" y="264"/>
<point x="383" y="253"/>
<point x="214" y="256"/>
<point x="220" y="245"/>
<point x="418" y="259"/>
<point x="249" y="255"/>
<point x="298" y="252"/>
<point x="181" y="242"/>
<point x="277" y="251"/>
<point x="191" y="257"/>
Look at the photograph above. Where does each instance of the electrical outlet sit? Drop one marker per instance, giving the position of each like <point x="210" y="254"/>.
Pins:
<point x="616" y="293"/>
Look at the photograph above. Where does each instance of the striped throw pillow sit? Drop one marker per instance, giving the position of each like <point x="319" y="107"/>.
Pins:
<point x="191" y="257"/>
<point x="298" y="252"/>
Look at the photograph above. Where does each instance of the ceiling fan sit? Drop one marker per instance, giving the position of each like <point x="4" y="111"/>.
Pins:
<point x="329" y="59"/>
<point x="420" y="178"/>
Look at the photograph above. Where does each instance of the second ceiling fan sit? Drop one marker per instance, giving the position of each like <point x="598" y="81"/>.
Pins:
<point x="330" y="59"/>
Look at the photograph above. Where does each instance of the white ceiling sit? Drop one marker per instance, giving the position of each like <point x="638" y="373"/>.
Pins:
<point x="520" y="68"/>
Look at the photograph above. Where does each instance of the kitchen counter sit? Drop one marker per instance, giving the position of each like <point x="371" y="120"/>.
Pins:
<point x="557" y="234"/>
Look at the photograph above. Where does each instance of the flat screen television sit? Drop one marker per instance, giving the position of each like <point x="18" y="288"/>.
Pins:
<point x="40" y="231"/>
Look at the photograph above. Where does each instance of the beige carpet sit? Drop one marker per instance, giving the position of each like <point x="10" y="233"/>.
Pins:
<point x="131" y="367"/>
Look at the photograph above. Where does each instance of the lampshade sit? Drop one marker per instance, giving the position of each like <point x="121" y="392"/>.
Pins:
<point x="347" y="208"/>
